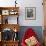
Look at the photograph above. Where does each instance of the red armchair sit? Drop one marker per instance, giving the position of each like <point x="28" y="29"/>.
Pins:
<point x="30" y="34"/>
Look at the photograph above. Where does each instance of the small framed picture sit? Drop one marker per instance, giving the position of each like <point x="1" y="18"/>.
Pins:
<point x="30" y="13"/>
<point x="5" y="12"/>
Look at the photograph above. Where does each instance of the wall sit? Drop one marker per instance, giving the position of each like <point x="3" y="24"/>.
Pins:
<point x="39" y="13"/>
<point x="37" y="24"/>
<point x="27" y="3"/>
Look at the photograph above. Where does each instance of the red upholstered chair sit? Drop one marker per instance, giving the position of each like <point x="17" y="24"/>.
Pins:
<point x="28" y="34"/>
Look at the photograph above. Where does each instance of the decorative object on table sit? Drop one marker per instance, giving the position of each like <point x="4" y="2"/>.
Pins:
<point x="15" y="3"/>
<point x="13" y="12"/>
<point x="30" y="13"/>
<point x="6" y="21"/>
<point x="15" y="37"/>
<point x="30" y="38"/>
<point x="7" y="34"/>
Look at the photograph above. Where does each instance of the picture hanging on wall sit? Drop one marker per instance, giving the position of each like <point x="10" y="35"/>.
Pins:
<point x="30" y="13"/>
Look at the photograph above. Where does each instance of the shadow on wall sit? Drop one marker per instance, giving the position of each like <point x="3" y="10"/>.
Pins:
<point x="37" y="29"/>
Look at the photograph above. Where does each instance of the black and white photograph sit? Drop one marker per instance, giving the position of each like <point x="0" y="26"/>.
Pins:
<point x="30" y="13"/>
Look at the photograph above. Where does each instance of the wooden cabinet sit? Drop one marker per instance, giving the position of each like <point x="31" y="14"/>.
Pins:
<point x="44" y="6"/>
<point x="0" y="43"/>
<point x="10" y="43"/>
<point x="6" y="12"/>
<point x="7" y="25"/>
<point x="44" y="37"/>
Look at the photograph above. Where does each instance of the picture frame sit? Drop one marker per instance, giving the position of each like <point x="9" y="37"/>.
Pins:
<point x="5" y="12"/>
<point x="30" y="13"/>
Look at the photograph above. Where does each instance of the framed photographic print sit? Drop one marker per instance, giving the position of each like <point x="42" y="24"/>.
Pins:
<point x="30" y="13"/>
<point x="5" y="12"/>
